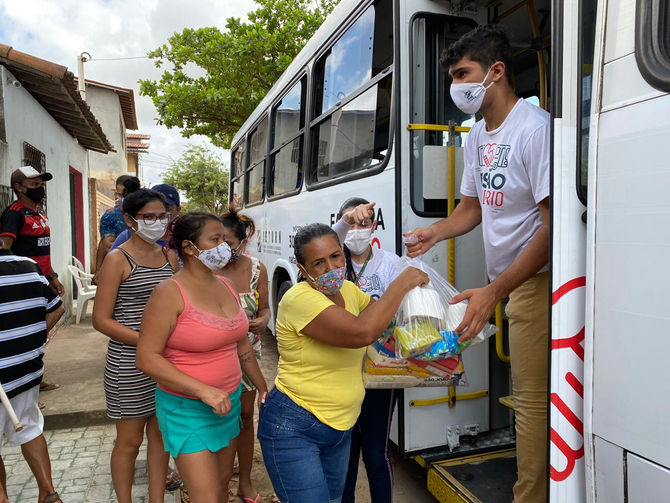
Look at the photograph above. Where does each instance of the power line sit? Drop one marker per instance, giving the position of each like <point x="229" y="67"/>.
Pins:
<point x="118" y="59"/>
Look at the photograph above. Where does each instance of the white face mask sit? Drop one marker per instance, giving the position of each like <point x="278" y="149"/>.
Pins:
<point x="151" y="232"/>
<point x="358" y="240"/>
<point x="470" y="95"/>
<point x="215" y="258"/>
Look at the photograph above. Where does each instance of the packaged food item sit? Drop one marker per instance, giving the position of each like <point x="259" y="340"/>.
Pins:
<point x="415" y="337"/>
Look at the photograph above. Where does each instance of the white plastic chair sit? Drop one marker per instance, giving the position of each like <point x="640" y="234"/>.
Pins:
<point x="85" y="276"/>
<point x="85" y="291"/>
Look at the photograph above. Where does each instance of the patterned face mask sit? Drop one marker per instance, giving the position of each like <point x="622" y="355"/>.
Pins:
<point x="236" y="253"/>
<point x="329" y="283"/>
<point x="215" y="258"/>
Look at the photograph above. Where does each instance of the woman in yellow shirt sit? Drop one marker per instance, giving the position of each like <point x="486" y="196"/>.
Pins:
<point x="323" y="326"/>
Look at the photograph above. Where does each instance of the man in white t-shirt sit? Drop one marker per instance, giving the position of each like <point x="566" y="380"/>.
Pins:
<point x="505" y="187"/>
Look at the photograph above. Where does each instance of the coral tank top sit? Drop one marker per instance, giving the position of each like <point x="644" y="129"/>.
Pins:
<point x="204" y="345"/>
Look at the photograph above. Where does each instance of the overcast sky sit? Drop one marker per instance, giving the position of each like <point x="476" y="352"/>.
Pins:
<point x="60" y="30"/>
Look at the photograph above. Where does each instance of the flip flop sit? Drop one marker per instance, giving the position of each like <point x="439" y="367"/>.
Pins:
<point x="52" y="498"/>
<point x="173" y="481"/>
<point x="48" y="386"/>
<point x="257" y="499"/>
<point x="41" y="405"/>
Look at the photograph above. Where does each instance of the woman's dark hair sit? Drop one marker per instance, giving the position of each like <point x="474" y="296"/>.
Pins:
<point x="242" y="226"/>
<point x="352" y="202"/>
<point x="485" y="44"/>
<point x="130" y="184"/>
<point x="188" y="227"/>
<point x="305" y="235"/>
<point x="134" y="202"/>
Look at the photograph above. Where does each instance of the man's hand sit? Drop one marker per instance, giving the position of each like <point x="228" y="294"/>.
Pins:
<point x="419" y="241"/>
<point x="481" y="305"/>
<point x="57" y="285"/>
<point x="361" y="214"/>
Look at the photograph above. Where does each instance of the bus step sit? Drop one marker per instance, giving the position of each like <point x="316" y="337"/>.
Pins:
<point x="485" y="478"/>
<point x="507" y="401"/>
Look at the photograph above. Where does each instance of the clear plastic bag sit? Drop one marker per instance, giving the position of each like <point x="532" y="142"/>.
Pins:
<point x="426" y="322"/>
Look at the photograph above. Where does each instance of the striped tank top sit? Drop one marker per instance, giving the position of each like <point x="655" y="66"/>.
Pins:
<point x="130" y="393"/>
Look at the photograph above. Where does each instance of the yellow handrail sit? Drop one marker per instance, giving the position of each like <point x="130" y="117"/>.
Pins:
<point x="437" y="127"/>
<point x="449" y="399"/>
<point x="451" y="204"/>
<point x="500" y="350"/>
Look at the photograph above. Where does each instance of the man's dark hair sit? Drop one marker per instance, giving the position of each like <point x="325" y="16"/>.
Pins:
<point x="123" y="178"/>
<point x="485" y="44"/>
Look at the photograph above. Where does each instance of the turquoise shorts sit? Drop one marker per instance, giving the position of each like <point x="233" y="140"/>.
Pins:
<point x="189" y="425"/>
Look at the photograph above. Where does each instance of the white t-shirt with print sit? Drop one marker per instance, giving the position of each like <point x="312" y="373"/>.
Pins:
<point x="378" y="274"/>
<point x="508" y="170"/>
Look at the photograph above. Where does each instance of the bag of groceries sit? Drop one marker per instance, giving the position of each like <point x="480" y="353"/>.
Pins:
<point x="421" y="347"/>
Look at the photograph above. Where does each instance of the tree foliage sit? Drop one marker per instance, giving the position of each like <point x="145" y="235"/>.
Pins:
<point x="213" y="80"/>
<point x="201" y="175"/>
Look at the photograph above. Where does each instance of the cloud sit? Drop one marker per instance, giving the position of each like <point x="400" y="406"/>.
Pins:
<point x="59" y="31"/>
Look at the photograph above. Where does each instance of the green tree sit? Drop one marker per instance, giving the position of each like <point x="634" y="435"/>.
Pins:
<point x="201" y="175"/>
<point x="213" y="80"/>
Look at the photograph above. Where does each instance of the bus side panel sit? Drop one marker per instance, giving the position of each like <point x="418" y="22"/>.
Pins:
<point x="631" y="309"/>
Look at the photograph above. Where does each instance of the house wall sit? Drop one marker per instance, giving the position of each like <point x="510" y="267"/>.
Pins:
<point x="106" y="107"/>
<point x="26" y="121"/>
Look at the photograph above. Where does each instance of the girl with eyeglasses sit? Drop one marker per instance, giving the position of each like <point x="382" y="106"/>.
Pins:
<point x="128" y="277"/>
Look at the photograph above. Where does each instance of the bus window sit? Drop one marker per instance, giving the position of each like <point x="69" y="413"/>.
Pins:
<point x="255" y="173"/>
<point x="355" y="136"/>
<point x="288" y="127"/>
<point x="431" y="104"/>
<point x="237" y="167"/>
<point x="652" y="42"/>
<point x="352" y="104"/>
<point x="587" y="31"/>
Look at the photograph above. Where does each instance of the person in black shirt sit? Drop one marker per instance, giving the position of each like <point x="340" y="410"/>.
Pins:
<point x="29" y="308"/>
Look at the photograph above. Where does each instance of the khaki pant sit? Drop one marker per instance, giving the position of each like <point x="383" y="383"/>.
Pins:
<point x="528" y="313"/>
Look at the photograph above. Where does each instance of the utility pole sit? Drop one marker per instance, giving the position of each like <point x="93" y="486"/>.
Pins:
<point x="81" y="86"/>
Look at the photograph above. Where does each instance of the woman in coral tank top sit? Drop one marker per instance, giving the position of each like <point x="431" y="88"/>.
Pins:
<point x="193" y="343"/>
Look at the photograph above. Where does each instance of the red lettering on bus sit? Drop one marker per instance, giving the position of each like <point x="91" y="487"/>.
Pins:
<point x="571" y="456"/>
<point x="573" y="343"/>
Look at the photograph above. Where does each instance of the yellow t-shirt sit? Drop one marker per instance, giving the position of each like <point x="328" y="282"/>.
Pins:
<point x="324" y="379"/>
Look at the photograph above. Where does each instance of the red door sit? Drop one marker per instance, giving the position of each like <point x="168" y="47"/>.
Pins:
<point x="77" y="214"/>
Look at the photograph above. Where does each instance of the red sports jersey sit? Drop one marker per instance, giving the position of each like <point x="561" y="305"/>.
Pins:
<point x="31" y="233"/>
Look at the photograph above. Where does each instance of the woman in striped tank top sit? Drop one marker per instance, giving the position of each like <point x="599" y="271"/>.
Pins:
<point x="128" y="277"/>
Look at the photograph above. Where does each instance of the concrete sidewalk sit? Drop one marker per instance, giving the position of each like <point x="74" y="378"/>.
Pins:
<point x="75" y="359"/>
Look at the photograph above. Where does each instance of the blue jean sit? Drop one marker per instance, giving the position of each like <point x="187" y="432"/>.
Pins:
<point x="370" y="436"/>
<point x="306" y="459"/>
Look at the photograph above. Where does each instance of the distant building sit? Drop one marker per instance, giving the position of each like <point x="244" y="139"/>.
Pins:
<point x="136" y="145"/>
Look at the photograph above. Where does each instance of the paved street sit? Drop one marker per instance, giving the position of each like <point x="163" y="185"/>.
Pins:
<point x="80" y="468"/>
<point x="80" y="446"/>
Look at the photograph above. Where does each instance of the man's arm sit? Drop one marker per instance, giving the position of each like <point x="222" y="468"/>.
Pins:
<point x="482" y="301"/>
<point x="466" y="216"/>
<point x="103" y="248"/>
<point x="54" y="316"/>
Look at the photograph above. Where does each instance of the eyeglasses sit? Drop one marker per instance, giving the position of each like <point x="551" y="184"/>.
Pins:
<point x="150" y="218"/>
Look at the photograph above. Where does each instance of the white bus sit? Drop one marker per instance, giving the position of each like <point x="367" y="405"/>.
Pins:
<point x="364" y="110"/>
